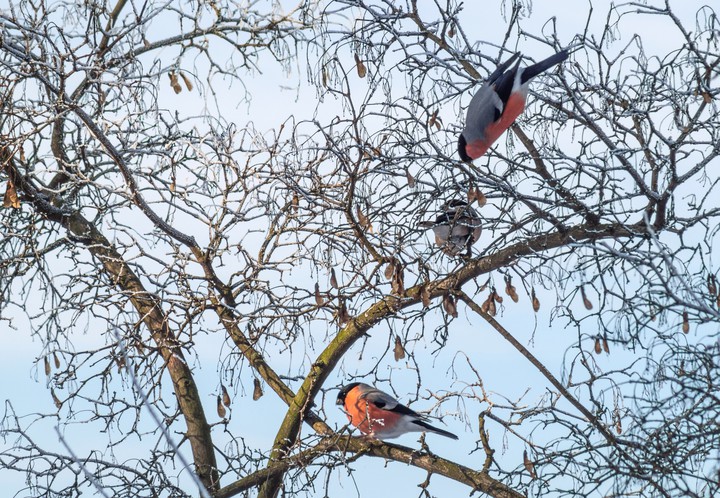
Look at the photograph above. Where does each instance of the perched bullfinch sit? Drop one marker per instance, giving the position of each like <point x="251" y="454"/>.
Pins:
<point x="457" y="228"/>
<point x="381" y="416"/>
<point x="498" y="102"/>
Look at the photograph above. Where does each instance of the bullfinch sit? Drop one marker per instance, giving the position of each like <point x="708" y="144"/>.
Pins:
<point x="457" y="227"/>
<point x="498" y="102"/>
<point x="381" y="416"/>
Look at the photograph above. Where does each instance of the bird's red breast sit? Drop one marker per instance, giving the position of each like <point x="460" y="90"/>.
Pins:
<point x="367" y="417"/>
<point x="513" y="108"/>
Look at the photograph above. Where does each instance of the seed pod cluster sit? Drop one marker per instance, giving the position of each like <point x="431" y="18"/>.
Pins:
<point x="488" y="306"/>
<point x="434" y="120"/>
<point x="475" y="194"/>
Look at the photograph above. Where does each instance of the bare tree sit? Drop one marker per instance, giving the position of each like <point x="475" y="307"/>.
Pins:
<point x="136" y="238"/>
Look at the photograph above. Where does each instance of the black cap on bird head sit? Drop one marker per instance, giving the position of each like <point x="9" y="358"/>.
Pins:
<point x="462" y="143"/>
<point x="343" y="392"/>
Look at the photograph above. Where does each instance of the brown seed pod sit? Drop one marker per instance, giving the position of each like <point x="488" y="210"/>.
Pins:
<point x="451" y="31"/>
<point x="390" y="270"/>
<point x="410" y="179"/>
<point x="188" y="83"/>
<point x="362" y="219"/>
<point x="342" y="314"/>
<point x="425" y="295"/>
<point x="433" y="119"/>
<point x="56" y="359"/>
<point x="492" y="309"/>
<point x="11" y="198"/>
<point x="712" y="285"/>
<point x="333" y="279"/>
<point x="324" y="77"/>
<point x="529" y="466"/>
<point x="588" y="304"/>
<point x="220" y="408"/>
<point x="535" y="300"/>
<point x="498" y="298"/>
<point x="510" y="289"/>
<point x="361" y="69"/>
<point x="471" y="194"/>
<point x="397" y="285"/>
<point x="257" y="390"/>
<point x="56" y="400"/>
<point x="598" y="346"/>
<point x="488" y="305"/>
<point x="398" y="350"/>
<point x="686" y="323"/>
<point x="480" y="197"/>
<point x="449" y="305"/>
<point x="174" y="82"/>
<point x="318" y="298"/>
<point x="295" y="203"/>
<point x="47" y="366"/>
<point x="225" y="395"/>
<point x="605" y="345"/>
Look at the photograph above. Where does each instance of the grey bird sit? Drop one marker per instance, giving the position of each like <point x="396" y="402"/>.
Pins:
<point x="457" y="227"/>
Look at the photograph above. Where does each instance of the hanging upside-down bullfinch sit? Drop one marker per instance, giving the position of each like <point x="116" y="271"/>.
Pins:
<point x="498" y="102"/>
<point x="381" y="416"/>
<point x="457" y="227"/>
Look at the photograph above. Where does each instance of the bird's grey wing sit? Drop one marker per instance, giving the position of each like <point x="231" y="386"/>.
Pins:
<point x="380" y="399"/>
<point x="485" y="108"/>
<point x="387" y="402"/>
<point x="442" y="232"/>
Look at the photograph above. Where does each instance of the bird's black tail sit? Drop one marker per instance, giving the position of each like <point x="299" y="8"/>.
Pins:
<point x="430" y="428"/>
<point x="532" y="71"/>
<point x="503" y="67"/>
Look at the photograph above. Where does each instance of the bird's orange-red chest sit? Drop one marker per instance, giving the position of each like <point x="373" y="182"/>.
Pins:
<point x="367" y="417"/>
<point x="513" y="108"/>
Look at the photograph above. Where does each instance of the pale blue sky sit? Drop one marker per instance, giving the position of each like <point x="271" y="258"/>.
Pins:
<point x="275" y="96"/>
